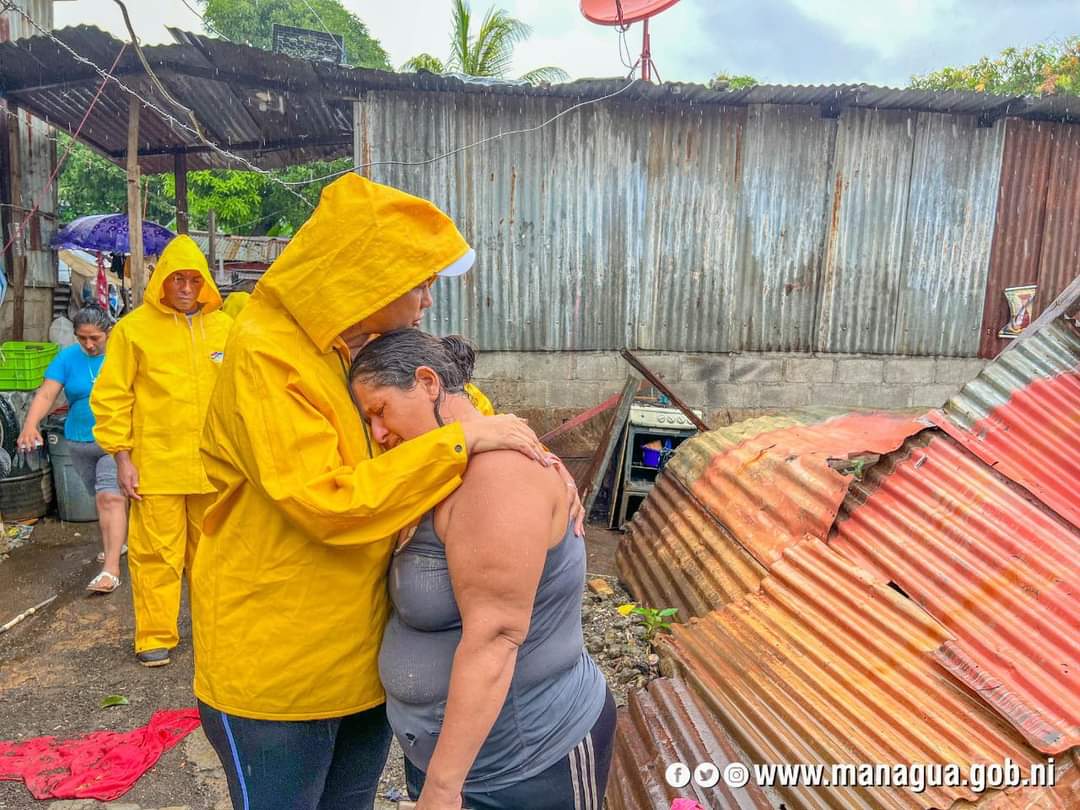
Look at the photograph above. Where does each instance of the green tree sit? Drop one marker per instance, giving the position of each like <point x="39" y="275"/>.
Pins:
<point x="252" y="22"/>
<point x="489" y="51"/>
<point x="92" y="184"/>
<point x="732" y="81"/>
<point x="1038" y="70"/>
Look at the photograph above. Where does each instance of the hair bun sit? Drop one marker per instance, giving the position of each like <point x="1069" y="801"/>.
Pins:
<point x="462" y="352"/>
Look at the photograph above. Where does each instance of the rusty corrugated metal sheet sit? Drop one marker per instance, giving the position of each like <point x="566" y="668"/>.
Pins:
<point x="781" y="226"/>
<point x="247" y="249"/>
<point x="1065" y="795"/>
<point x="690" y="294"/>
<point x="664" y="724"/>
<point x="1018" y="229"/>
<point x="1000" y="572"/>
<point x="825" y="665"/>
<point x="1022" y="415"/>
<point x="675" y="554"/>
<point x="778" y="488"/>
<point x="1060" y="260"/>
<point x="949" y="224"/>
<point x="865" y="240"/>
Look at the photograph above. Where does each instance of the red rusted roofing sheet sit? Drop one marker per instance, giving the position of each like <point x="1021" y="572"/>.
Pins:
<point x="675" y="555"/>
<point x="777" y="488"/>
<point x="825" y="665"/>
<point x="988" y="562"/>
<point x="663" y="725"/>
<point x="1018" y="227"/>
<point x="1065" y="795"/>
<point x="1022" y="416"/>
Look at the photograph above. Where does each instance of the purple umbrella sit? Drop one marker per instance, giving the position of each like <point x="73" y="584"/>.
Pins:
<point x="108" y="233"/>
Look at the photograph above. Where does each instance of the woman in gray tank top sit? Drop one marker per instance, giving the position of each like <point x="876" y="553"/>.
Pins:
<point x="489" y="689"/>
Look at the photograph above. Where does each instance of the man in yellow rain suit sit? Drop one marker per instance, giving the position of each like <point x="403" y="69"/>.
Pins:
<point x="149" y="403"/>
<point x="289" y="584"/>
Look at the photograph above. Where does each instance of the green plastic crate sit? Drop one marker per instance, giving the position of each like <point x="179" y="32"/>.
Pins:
<point x="23" y="364"/>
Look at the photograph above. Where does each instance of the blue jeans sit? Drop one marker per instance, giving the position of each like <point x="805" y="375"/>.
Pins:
<point x="300" y="765"/>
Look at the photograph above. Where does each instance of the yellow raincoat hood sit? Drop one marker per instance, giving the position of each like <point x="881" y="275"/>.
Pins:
<point x="154" y="387"/>
<point x="181" y="254"/>
<point x="366" y="245"/>
<point x="289" y="595"/>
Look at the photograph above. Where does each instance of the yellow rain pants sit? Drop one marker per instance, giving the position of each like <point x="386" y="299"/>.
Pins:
<point x="150" y="399"/>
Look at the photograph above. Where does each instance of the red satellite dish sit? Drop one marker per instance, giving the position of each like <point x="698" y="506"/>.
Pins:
<point x="608" y="12"/>
<point x="623" y="13"/>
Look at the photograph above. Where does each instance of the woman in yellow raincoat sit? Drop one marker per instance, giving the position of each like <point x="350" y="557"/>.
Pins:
<point x="149" y="403"/>
<point x="289" y="586"/>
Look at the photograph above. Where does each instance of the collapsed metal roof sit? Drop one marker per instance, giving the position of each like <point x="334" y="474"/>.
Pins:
<point x="277" y="110"/>
<point x="926" y="613"/>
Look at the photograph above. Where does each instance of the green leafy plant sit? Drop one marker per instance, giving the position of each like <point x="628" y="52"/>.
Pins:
<point x="655" y="619"/>
<point x="113" y="700"/>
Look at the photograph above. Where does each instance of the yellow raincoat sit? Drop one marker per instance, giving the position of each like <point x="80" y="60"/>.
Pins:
<point x="234" y="302"/>
<point x="289" y="585"/>
<point x="150" y="399"/>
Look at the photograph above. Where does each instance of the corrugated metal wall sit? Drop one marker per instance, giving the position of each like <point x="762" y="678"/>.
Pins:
<point x="695" y="227"/>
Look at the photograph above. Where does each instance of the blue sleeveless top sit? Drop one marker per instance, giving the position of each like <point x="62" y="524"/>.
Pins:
<point x="557" y="691"/>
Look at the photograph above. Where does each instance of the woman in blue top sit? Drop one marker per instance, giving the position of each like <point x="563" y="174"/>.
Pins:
<point x="74" y="371"/>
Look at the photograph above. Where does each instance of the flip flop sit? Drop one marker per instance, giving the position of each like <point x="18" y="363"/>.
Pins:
<point x="101" y="554"/>
<point x="104" y="583"/>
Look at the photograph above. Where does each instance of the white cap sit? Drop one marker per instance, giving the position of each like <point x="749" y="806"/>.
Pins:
<point x="461" y="266"/>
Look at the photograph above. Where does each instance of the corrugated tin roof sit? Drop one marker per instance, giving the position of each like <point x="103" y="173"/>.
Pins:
<point x="1021" y="414"/>
<point x="248" y="249"/>
<point x="998" y="571"/>
<point x="825" y="665"/>
<point x="778" y="487"/>
<point x="283" y="111"/>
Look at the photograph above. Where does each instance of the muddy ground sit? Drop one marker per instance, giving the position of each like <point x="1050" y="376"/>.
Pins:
<point x="58" y="664"/>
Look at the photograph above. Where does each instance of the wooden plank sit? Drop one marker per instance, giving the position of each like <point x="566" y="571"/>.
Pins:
<point x="652" y="378"/>
<point x="581" y="418"/>
<point x="607" y="445"/>
<point x="180" y="175"/>
<point x="134" y="201"/>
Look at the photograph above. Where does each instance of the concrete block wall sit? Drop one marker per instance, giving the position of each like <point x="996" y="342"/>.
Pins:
<point x="733" y="382"/>
<point x="37" y="314"/>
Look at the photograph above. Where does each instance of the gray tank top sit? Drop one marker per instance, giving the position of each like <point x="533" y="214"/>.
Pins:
<point x="557" y="691"/>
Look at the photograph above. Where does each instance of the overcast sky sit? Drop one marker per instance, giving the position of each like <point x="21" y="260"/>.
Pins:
<point x="781" y="41"/>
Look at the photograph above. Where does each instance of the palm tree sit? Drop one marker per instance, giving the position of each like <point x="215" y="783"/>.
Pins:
<point x="489" y="53"/>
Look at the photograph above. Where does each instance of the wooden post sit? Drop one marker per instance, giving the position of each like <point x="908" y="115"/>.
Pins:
<point x="8" y="212"/>
<point x="180" y="175"/>
<point x="211" y="227"/>
<point x="17" y="275"/>
<point x="135" y="237"/>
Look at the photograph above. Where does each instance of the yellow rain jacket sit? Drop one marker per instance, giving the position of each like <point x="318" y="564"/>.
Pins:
<point x="234" y="302"/>
<point x="154" y="387"/>
<point x="289" y="582"/>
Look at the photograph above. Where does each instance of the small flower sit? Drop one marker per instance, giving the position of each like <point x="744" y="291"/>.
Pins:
<point x="626" y="609"/>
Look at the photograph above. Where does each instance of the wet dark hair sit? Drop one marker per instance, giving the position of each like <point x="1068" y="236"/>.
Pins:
<point x="92" y="315"/>
<point x="392" y="359"/>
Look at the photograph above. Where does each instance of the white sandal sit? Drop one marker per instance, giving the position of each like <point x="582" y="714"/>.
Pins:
<point x="101" y="554"/>
<point x="104" y="583"/>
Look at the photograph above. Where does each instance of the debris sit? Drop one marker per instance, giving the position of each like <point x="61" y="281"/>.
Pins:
<point x="15" y="535"/>
<point x="606" y="449"/>
<point x="601" y="587"/>
<point x="26" y="614"/>
<point x="113" y="700"/>
<point x="695" y="420"/>
<point x="580" y="419"/>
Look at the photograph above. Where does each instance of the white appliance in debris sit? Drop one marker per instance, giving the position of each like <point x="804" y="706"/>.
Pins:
<point x="658" y="416"/>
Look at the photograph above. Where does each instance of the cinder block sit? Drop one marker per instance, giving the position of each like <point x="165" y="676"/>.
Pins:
<point x="505" y="395"/>
<point x="958" y="370"/>
<point x="545" y="365"/>
<point x="859" y="370"/>
<point x="665" y="366"/>
<point x="809" y="369"/>
<point x="784" y="395"/>
<point x="756" y="369"/>
<point x="599" y="366"/>
<point x="732" y="395"/>
<point x="694" y="394"/>
<point x="933" y="396"/>
<point x="887" y="397"/>
<point x="500" y="366"/>
<point x="705" y="368"/>
<point x="838" y="395"/>
<point x="916" y="370"/>
<point x="535" y="394"/>
<point x="576" y="394"/>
